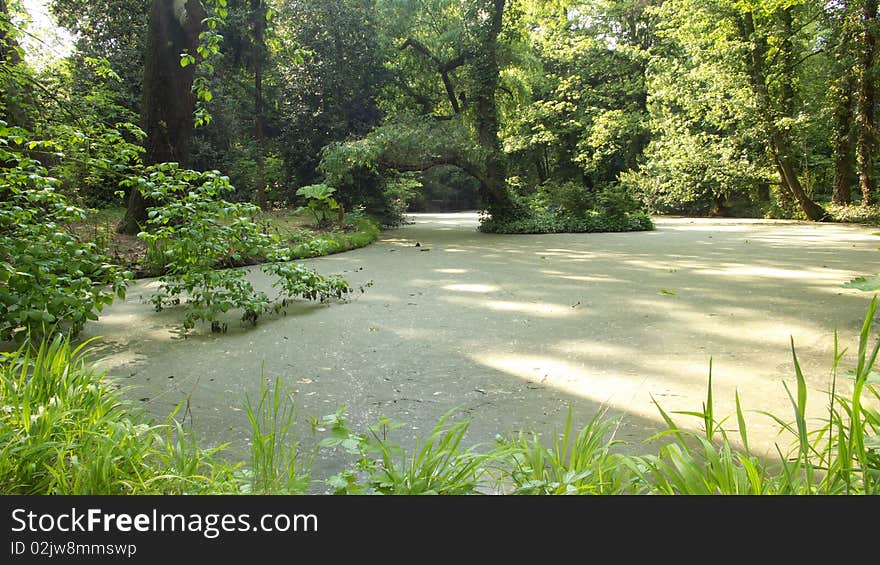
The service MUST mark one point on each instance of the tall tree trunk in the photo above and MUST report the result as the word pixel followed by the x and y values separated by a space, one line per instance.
pixel 867 98
pixel 169 101
pixel 844 156
pixel 258 10
pixel 493 190
pixel 779 142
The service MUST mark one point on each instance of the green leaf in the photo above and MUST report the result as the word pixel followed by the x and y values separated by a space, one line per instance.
pixel 667 292
pixel 868 284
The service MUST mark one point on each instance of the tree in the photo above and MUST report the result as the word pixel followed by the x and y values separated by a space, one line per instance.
pixel 843 99
pixel 259 15
pixel 773 110
pixel 169 102
pixel 328 62
pixel 450 68
pixel 15 91
pixel 583 113
pixel 115 30
pixel 867 140
pixel 493 186
pixel 763 45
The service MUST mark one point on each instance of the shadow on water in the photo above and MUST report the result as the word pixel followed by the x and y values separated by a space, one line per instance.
pixel 514 330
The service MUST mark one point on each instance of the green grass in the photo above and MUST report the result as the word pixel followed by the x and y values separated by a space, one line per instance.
pixel 277 465
pixel 437 465
pixel 582 462
pixel 64 430
pixel 306 243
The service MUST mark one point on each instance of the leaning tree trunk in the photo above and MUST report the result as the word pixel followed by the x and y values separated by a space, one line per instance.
pixel 778 141
pixel 781 151
pixel 169 101
pixel 867 99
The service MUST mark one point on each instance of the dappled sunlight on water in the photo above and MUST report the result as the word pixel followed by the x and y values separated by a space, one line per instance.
pixel 515 329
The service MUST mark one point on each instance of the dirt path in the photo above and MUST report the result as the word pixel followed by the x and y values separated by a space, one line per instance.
pixel 515 329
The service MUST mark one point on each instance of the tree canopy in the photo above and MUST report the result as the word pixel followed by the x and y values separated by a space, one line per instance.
pixel 754 107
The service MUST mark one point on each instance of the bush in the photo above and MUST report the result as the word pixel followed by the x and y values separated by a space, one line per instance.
pixel 320 201
pixel 307 244
pixel 568 207
pixel 616 201
pixel 592 222
pixel 869 215
pixel 196 231
pixel 49 278
pixel 567 198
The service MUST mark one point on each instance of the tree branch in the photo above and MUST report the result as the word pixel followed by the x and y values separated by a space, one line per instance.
pixel 443 68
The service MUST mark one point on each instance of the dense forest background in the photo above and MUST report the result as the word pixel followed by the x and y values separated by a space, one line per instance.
pixel 746 107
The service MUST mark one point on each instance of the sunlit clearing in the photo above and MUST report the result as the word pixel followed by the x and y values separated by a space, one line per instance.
pixel 541 309
pixel 770 273
pixel 485 288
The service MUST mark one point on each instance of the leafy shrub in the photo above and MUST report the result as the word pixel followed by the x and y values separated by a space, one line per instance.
pixel 310 244
pixel 48 276
pixel 615 201
pixel 195 231
pixel 568 198
pixel 592 222
pixel 869 215
pixel 320 201
pixel 363 170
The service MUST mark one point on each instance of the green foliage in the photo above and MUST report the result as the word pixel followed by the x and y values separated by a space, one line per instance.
pixel 569 198
pixel 111 30
pixel 869 215
pixel 64 430
pixel 306 244
pixel 98 137
pixel 568 207
pixel 581 463
pixel 366 172
pixel 277 464
pixel 195 231
pixel 48 276
pixel 207 53
pixel 320 201
pixel 591 223
pixel 868 284
pixel 704 463
pixel 329 63
pixel 436 466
